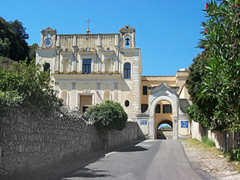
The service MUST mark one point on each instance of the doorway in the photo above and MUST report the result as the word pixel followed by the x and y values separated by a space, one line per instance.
pixel 85 102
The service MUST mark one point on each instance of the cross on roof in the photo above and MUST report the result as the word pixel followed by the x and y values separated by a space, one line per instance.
pixel 88 21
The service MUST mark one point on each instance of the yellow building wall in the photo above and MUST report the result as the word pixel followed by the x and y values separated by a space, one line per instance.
pixel 152 81
pixel 162 116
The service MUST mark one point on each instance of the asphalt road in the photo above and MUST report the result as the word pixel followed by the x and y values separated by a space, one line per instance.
pixel 147 160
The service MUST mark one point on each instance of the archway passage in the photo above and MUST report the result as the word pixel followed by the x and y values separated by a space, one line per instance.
pixel 165 97
pixel 165 130
pixel 163 119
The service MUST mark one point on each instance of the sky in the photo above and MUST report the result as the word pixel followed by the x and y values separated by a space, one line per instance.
pixel 167 31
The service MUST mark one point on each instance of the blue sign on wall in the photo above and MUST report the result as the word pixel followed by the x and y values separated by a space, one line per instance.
pixel 184 124
pixel 143 122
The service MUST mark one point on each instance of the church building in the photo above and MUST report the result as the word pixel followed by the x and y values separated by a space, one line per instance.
pixel 89 69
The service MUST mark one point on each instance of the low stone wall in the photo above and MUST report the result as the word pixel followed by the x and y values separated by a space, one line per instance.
pixel 115 138
pixel 29 140
pixel 224 140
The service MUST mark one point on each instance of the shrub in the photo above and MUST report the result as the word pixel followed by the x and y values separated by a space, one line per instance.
pixel 235 154
pixel 107 116
pixel 26 85
pixel 207 141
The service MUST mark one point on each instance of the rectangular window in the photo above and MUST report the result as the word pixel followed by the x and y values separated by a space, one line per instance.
pixel 167 108
pixel 158 108
pixel 86 66
pixel 145 90
pixel 144 107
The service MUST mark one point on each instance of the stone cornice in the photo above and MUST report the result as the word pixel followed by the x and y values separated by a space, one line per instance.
pixel 87 76
pixel 108 53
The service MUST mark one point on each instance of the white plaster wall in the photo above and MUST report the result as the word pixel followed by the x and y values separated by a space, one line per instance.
pixel 195 130
pixel 183 131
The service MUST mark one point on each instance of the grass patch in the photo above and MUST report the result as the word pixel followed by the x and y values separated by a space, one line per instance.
pixel 200 146
pixel 207 141
pixel 196 145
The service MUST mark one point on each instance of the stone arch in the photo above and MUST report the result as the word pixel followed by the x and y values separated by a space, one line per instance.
pixel 173 100
pixel 127 35
pixel 127 41
pixel 166 121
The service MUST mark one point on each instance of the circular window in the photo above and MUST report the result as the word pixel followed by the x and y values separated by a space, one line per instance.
pixel 127 103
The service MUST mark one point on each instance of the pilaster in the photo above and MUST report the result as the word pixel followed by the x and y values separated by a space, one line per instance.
pixel 116 92
pixel 57 60
pixel 92 66
pixel 73 96
pixel 74 59
pixel 103 67
pixel 80 65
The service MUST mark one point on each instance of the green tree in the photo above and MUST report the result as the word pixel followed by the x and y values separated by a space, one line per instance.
pixel 26 85
pixel 201 109
pixel 14 35
pixel 107 116
pixel 32 51
pixel 4 47
pixel 221 81
pixel 19 30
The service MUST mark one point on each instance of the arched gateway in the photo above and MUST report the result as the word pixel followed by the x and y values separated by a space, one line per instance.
pixel 163 92
pixel 166 93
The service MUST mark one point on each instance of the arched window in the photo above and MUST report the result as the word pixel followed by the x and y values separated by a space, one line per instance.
pixel 107 66
pixel 65 66
pixel 64 97
pixel 106 95
pixel 46 67
pixel 127 70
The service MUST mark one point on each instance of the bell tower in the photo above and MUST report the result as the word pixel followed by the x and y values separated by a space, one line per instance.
pixel 127 35
pixel 48 38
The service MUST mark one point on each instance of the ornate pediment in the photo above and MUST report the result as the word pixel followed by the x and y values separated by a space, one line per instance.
pixel 163 89
pixel 49 30
pixel 127 29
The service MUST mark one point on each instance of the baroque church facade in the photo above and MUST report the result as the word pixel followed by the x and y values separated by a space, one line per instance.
pixel 89 69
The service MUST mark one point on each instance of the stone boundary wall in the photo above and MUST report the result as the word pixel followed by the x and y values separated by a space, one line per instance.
pixel 29 140
pixel 224 140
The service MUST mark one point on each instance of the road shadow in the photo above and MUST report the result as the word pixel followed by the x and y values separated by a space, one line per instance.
pixel 80 169
pixel 165 134
pixel 88 173
pixel 132 147
pixel 160 134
